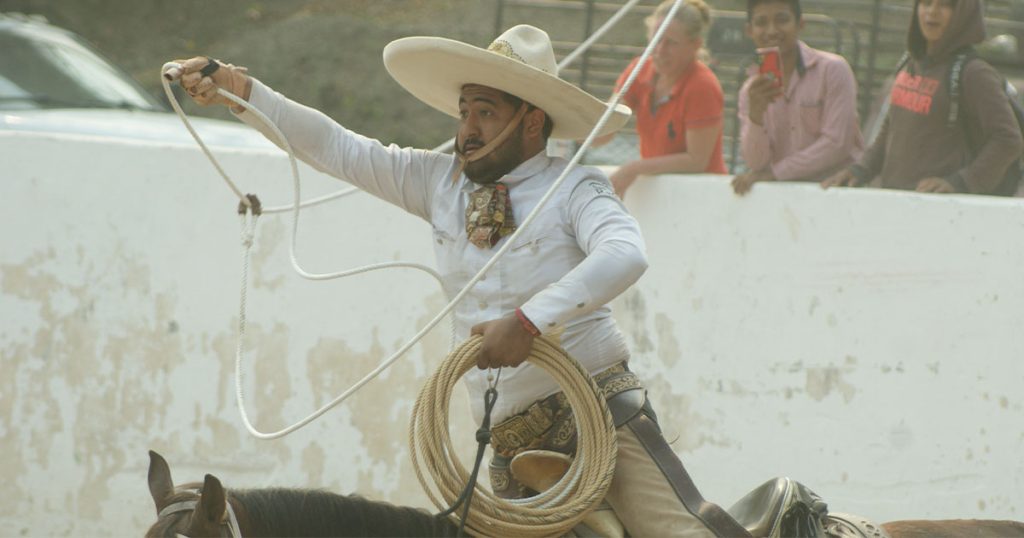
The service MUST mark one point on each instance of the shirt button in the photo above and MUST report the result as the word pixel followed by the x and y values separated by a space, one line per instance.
pixel 482 305
pixel 580 305
pixel 440 241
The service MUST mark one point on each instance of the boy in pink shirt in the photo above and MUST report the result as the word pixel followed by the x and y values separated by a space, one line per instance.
pixel 806 127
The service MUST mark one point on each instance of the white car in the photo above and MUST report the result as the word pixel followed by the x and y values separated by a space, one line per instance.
pixel 51 81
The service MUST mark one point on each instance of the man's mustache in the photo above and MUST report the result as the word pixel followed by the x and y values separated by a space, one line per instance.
pixel 475 142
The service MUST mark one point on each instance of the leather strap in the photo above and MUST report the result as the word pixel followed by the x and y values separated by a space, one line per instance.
pixel 490 146
pixel 713 516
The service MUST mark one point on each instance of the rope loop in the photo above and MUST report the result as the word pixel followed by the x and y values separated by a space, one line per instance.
pixel 551 513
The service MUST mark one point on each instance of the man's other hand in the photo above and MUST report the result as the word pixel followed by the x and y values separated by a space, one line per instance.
pixel 742 183
pixel 506 342
pixel 842 178
pixel 934 184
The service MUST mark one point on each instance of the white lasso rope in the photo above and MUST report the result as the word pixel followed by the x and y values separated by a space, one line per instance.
pixel 550 513
pixel 165 80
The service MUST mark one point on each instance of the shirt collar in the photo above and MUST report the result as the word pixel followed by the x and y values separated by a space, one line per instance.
pixel 647 76
pixel 805 57
pixel 526 169
pixel 683 77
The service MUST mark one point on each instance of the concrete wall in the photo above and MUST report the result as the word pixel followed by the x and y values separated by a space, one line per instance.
pixel 866 343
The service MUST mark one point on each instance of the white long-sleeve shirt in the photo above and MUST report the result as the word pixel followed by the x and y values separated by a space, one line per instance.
pixel 582 250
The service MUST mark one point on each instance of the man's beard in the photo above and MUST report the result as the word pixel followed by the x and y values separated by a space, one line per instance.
pixel 505 158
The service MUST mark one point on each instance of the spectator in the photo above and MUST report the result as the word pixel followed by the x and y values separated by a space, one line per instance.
pixel 677 101
pixel 918 148
pixel 805 127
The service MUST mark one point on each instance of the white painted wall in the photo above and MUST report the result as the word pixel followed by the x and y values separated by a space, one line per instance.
pixel 866 343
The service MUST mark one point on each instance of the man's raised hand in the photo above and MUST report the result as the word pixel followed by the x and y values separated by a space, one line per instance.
pixel 201 79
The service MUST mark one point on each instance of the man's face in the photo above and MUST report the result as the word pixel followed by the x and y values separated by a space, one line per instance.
pixel 773 24
pixel 934 16
pixel 675 51
pixel 484 113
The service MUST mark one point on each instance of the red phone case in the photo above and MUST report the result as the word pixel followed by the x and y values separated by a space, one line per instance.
pixel 771 63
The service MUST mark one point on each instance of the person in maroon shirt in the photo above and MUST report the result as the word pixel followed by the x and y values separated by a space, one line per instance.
pixel 919 148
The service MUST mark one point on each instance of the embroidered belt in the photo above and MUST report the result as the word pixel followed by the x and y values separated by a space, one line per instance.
pixel 548 424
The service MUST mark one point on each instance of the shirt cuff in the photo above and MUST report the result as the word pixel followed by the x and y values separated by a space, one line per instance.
pixel 554 306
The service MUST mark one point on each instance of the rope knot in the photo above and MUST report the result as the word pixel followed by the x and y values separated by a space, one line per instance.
pixel 250 203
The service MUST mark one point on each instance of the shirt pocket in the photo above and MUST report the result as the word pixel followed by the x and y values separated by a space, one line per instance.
pixel 531 243
pixel 443 239
pixel 446 253
pixel 523 261
pixel 810 116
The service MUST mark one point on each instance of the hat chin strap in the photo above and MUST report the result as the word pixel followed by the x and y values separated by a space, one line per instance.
pixel 492 145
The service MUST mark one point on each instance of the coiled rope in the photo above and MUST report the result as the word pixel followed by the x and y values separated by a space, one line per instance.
pixel 551 513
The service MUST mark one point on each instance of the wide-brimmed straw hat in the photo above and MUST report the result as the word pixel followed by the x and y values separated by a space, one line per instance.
pixel 520 62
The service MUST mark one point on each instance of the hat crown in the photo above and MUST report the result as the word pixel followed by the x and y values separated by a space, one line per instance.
pixel 527 44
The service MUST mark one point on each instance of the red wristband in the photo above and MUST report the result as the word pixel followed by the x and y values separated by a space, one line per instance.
pixel 527 324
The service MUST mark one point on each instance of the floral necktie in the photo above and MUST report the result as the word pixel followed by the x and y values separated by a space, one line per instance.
pixel 489 215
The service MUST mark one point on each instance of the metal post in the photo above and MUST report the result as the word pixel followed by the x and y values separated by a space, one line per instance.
pixel 587 29
pixel 869 83
pixel 498 22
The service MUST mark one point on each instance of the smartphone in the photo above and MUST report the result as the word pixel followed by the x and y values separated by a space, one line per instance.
pixel 770 60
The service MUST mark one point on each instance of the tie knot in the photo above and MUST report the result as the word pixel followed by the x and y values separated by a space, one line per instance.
pixel 489 215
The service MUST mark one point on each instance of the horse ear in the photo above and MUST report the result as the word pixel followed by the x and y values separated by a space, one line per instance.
pixel 160 484
pixel 212 504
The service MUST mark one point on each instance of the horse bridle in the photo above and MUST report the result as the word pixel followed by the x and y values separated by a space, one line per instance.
pixel 231 525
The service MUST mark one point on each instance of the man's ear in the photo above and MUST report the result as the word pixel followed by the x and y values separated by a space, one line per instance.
pixel 534 122
pixel 800 25
pixel 748 30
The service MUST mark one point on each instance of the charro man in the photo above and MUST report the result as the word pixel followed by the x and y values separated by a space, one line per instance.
pixel 582 251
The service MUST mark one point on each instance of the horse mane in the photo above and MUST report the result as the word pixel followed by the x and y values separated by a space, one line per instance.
pixel 311 512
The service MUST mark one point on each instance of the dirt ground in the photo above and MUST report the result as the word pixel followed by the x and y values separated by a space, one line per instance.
pixel 324 53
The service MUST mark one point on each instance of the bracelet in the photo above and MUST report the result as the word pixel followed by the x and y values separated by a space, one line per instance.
pixel 527 324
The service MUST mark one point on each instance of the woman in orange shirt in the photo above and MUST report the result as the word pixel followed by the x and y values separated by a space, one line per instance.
pixel 677 101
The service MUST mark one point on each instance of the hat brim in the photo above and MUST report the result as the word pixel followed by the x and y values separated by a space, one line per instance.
pixel 434 70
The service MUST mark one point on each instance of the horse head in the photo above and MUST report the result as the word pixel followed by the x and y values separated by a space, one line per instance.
pixel 192 509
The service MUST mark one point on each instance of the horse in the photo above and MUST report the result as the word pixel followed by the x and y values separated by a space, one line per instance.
pixel 210 510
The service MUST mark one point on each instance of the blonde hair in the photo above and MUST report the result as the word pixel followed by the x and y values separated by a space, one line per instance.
pixel 693 15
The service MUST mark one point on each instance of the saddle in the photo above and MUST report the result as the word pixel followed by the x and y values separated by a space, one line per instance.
pixel 779 507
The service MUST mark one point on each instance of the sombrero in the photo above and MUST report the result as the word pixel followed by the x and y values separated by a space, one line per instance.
pixel 520 61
